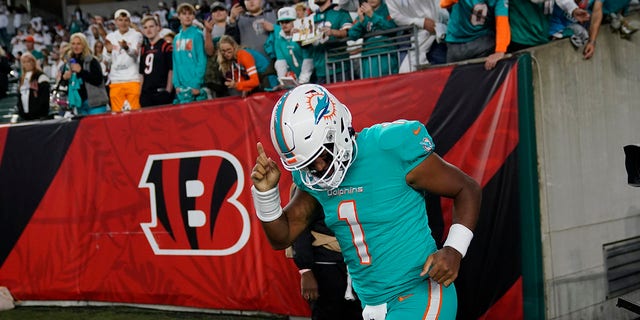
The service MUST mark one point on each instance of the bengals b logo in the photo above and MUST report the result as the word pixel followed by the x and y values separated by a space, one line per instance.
pixel 194 205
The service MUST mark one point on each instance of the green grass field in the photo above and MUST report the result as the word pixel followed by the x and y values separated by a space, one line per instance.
pixel 116 313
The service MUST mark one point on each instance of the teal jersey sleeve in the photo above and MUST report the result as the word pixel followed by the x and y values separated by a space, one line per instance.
pixel 407 140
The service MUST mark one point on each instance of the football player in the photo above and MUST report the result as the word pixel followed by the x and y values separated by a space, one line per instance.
pixel 369 185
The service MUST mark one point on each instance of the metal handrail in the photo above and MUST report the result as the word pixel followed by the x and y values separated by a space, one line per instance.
pixel 340 54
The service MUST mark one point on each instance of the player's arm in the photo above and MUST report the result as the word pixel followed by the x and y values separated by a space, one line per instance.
pixel 282 226
pixel 437 176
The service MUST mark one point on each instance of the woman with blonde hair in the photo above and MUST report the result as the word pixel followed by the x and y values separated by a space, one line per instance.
pixel 238 67
pixel 87 94
pixel 33 101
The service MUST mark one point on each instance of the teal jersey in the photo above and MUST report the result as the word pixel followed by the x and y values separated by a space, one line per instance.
pixel 529 25
pixel 335 19
pixel 381 222
pixel 381 65
pixel 472 19
pixel 189 58
pixel 284 48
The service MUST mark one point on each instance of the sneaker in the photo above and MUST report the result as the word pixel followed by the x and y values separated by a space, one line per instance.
pixel 615 22
pixel 627 29
pixel 580 35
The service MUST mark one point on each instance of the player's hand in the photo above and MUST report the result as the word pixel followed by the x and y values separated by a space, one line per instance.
pixel 265 174
pixel 309 286
pixel 443 265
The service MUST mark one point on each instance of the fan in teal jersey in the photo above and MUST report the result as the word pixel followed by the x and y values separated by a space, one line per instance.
pixel 370 187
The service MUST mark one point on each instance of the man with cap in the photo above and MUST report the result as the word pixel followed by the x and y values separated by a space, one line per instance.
pixel 29 43
pixel 218 20
pixel 291 58
pixel 122 51
pixel 214 28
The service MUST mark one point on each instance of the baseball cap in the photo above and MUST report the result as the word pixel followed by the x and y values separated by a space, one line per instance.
pixel 29 39
pixel 286 14
pixel 218 4
pixel 122 12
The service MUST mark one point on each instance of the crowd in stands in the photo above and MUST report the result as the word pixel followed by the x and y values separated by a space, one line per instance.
pixel 187 52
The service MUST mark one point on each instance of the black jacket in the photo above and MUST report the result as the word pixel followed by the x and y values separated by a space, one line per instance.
pixel 38 99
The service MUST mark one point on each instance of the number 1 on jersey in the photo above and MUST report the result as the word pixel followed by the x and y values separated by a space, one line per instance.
pixel 347 212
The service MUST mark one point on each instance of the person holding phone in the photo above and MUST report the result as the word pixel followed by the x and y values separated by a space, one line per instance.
pixel 238 67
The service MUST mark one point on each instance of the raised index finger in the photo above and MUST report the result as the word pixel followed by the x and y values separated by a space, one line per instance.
pixel 261 150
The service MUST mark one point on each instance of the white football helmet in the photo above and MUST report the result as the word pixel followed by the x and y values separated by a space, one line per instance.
pixel 307 121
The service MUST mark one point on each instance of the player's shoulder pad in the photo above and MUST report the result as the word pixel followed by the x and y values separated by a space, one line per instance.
pixel 393 135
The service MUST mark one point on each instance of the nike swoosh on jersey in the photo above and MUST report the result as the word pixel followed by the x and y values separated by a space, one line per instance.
pixel 404 297
pixel 416 131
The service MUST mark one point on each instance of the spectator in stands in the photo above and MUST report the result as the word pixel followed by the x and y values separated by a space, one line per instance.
pixel 189 59
pixel 84 74
pixel 431 21
pixel 162 13
pixel 123 52
pixel 238 67
pixel 324 280
pixel 218 17
pixel 29 44
pixel 98 53
pixel 251 29
pixel 5 69
pixel 476 29
pixel 17 43
pixel 96 31
pixel 530 25
pixel 331 23
pixel 291 59
pixel 76 24
pixel 214 28
pixel 4 23
pixel 168 35
pixel 562 26
pixel 56 62
pixel 373 16
pixel 33 101
pixel 156 66
pixel 174 22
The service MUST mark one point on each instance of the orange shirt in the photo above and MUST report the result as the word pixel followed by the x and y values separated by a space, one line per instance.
pixel 245 60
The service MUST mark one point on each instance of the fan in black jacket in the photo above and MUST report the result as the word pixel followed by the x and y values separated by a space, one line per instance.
pixel 33 98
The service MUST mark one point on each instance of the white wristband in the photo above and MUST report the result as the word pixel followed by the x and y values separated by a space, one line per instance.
pixel 267 204
pixel 459 238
